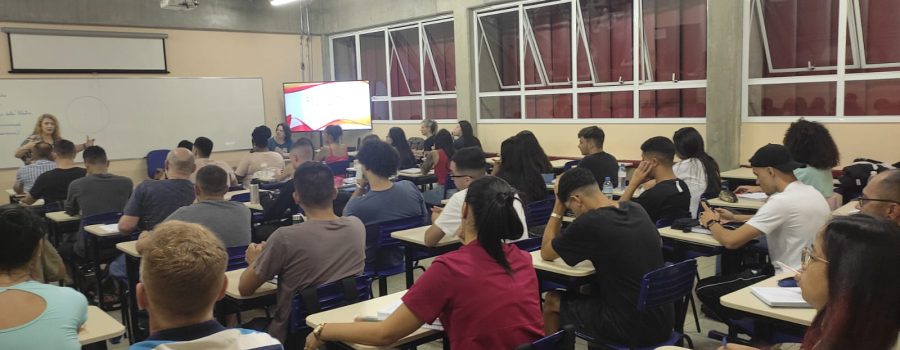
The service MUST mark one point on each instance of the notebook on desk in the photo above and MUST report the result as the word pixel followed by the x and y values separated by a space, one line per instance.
pixel 411 171
pixel 780 297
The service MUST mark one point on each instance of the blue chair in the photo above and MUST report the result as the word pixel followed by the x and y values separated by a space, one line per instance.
pixel 242 197
pixel 672 284
pixel 529 244
pixel 156 160
pixel 537 213
pixel 236 258
pixel 339 168
pixel 570 164
pixel 384 254
pixel 50 207
pixel 561 340
pixel 448 186
pixel 315 299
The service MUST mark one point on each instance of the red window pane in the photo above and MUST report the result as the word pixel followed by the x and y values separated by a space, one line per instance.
pixel 501 107
pixel 548 107
pixel 344 58
pixel 685 103
pixel 675 36
pixel 404 46
pixel 498 51
pixel 380 111
pixel 606 105
pixel 406 110
pixel 372 62
pixel 548 49
pixel 874 97
pixel 440 73
pixel 608 33
pixel 803 99
pixel 440 109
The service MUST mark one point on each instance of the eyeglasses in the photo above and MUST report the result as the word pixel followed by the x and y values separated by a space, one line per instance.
pixel 863 200
pixel 454 177
pixel 807 256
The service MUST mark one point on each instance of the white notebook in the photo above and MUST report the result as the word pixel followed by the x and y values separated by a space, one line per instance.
pixel 111 228
pixel 780 296
pixel 754 196
pixel 411 171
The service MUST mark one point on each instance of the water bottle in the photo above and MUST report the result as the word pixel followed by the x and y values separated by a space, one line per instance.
pixel 254 193
pixel 608 188
pixel 357 167
pixel 622 175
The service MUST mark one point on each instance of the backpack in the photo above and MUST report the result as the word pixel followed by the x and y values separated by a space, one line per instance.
pixel 855 176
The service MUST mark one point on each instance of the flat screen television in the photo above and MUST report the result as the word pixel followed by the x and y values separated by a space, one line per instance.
pixel 314 106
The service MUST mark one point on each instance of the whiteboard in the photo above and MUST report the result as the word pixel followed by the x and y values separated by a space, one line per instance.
pixel 128 117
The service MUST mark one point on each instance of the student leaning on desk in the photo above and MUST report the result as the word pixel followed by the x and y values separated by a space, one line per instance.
pixel 850 276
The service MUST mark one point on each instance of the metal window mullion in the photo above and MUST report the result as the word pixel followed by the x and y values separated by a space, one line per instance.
pixel 745 65
pixel 399 62
pixel 387 69
pixel 475 39
pixel 421 29
pixel 635 32
pixel 761 20
pixel 856 44
pixel 842 58
pixel 582 33
pixel 522 108
pixel 487 44
pixel 358 57
pixel 573 76
pixel 427 45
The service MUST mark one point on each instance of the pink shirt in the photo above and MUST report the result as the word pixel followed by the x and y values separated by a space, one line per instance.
pixel 478 303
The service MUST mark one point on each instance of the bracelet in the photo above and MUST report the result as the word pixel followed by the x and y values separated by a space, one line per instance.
pixel 555 215
pixel 710 222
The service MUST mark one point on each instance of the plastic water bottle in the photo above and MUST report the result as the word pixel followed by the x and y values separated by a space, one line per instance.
pixel 622 175
pixel 254 193
pixel 608 188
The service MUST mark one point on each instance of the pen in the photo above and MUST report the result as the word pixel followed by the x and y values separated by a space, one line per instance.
pixel 788 267
pixel 724 342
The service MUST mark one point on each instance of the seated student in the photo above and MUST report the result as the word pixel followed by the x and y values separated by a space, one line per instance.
pixel 428 128
pixel 465 136
pixel 53 185
pixel 789 219
pixel 881 197
pixel 185 144
pixel 397 138
pixel 533 148
pixel 697 168
pixel 260 157
pixel 33 315
pixel 466 166
pixel 519 170
pixel 669 198
pixel 182 277
pixel 483 293
pixel 377 199
pixel 607 233
pixel 42 162
pixel 97 193
pixel 850 276
pixel 600 163
pixel 154 200
pixel 281 142
pixel 324 248
pixel 439 161
pixel 302 151
pixel 202 149
pixel 228 221
pixel 333 151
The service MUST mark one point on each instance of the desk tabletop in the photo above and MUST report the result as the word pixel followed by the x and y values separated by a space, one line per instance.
pixel 367 308
pixel 745 301
pixel 846 209
pixel 739 173
pixel 12 193
pixel 61 216
pixel 234 278
pixel 689 237
pixel 414 175
pixel 129 248
pixel 417 236
pixel 560 163
pixel 228 195
pixel 741 203
pixel 253 206
pixel 584 268
pixel 99 230
pixel 670 347
pixel 99 327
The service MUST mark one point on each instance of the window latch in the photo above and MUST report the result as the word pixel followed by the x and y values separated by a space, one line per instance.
pixel 674 79
pixel 810 66
pixel 621 82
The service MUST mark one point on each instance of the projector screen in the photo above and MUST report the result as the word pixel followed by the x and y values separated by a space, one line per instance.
pixel 314 106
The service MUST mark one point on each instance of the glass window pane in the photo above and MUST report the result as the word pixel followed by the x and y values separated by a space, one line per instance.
pixel 607 28
pixel 498 51
pixel 548 50
pixel 440 109
pixel 501 107
pixel 684 103
pixel 406 110
pixel 548 106
pixel 344 58
pixel 881 34
pixel 874 97
pixel 442 69
pixel 372 60
pixel 404 46
pixel 802 99
pixel 674 38
pixel 606 105
pixel 380 111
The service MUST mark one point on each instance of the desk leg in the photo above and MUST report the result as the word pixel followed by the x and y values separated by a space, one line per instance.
pixel 95 247
pixel 131 269
pixel 408 261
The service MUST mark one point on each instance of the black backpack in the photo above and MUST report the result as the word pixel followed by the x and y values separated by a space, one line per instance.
pixel 855 176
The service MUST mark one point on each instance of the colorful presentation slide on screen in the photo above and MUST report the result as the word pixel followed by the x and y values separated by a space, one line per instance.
pixel 313 106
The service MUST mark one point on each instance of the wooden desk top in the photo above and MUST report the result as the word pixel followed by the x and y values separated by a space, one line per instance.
pixel 584 268
pixel 99 327
pixel 234 277
pixel 99 231
pixel 12 193
pixel 743 300
pixel 689 237
pixel 417 236
pixel 739 173
pixel 129 248
pixel 560 163
pixel 367 308
pixel 253 206
pixel 741 204
pixel 416 175
pixel 847 209
pixel 228 195
pixel 61 217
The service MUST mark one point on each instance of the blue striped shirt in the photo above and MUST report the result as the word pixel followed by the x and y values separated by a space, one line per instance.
pixel 208 335
pixel 30 172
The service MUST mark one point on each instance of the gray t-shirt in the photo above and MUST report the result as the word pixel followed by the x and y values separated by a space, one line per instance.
pixel 310 254
pixel 403 200
pixel 229 221
pixel 98 194
pixel 154 200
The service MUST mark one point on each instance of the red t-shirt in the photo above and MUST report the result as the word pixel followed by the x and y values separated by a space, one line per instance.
pixel 479 304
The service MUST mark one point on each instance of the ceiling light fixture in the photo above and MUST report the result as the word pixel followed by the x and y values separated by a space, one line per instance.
pixel 281 2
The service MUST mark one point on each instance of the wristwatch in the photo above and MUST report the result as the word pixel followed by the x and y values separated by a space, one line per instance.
pixel 555 215
pixel 710 222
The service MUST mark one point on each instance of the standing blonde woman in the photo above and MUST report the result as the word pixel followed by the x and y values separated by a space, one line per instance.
pixel 47 130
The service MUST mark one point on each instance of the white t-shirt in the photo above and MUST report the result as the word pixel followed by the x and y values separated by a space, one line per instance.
pixel 257 161
pixel 790 220
pixel 451 217
pixel 691 171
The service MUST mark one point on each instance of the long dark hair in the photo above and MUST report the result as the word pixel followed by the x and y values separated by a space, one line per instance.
pixel 863 310
pixel 443 140
pixel 689 144
pixel 286 130
pixel 520 171
pixel 810 143
pixel 467 135
pixel 491 200
pixel 533 147
pixel 22 232
pixel 398 140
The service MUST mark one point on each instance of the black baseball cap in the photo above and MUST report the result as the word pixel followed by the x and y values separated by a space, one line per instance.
pixel 775 156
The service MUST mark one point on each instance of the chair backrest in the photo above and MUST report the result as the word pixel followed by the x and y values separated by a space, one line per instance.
pixel 50 207
pixel 570 164
pixel 667 285
pixel 104 218
pixel 564 339
pixel 378 238
pixel 664 222
pixel 449 185
pixel 416 143
pixel 236 258
pixel 538 213
pixel 339 168
pixel 240 197
pixel 156 159
pixel 314 299
pixel 529 244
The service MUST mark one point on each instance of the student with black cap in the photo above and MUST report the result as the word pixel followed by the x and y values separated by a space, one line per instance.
pixel 790 219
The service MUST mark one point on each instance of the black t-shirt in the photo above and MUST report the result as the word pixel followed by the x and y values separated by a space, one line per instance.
pixel 624 245
pixel 53 185
pixel 459 143
pixel 602 165
pixel 428 144
pixel 670 199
